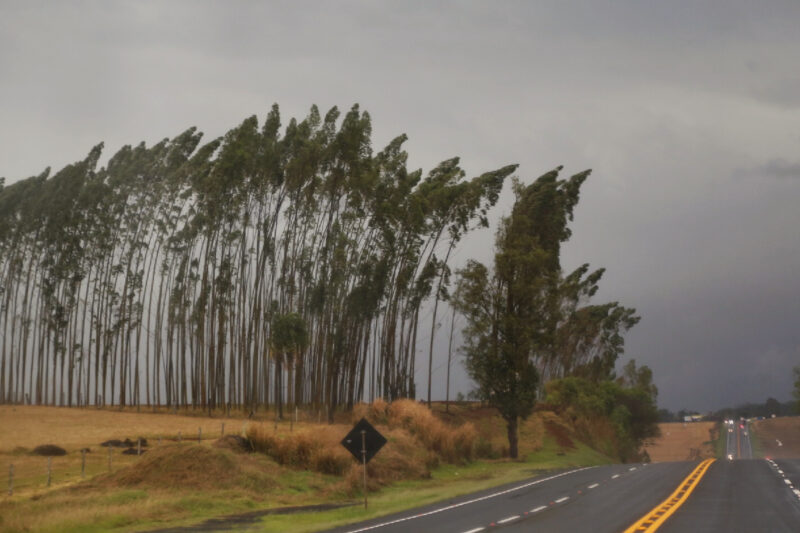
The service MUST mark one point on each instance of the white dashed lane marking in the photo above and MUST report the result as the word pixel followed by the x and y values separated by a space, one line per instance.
pixel 507 520
pixel 593 486
pixel 540 508
pixel 786 480
pixel 562 500
pixel 475 530
pixel 615 476
pixel 468 502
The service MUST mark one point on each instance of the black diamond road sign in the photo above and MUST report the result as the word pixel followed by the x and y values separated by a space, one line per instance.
pixel 373 439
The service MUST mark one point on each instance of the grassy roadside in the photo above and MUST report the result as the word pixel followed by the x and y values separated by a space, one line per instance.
pixel 755 442
pixel 719 442
pixel 448 481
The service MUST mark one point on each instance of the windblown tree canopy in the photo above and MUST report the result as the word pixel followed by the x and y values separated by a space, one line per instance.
pixel 526 320
pixel 158 279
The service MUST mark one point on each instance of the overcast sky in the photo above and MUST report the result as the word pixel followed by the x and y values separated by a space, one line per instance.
pixel 687 112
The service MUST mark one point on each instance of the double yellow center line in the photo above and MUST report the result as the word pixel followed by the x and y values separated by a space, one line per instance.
pixel 653 520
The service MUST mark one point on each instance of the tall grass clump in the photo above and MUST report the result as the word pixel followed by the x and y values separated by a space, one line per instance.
pixel 376 412
pixel 453 445
pixel 318 451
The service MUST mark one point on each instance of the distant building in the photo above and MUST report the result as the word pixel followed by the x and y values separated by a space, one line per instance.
pixel 693 418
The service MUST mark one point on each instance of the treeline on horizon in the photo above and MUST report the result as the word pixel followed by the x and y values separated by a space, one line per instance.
pixel 746 410
pixel 263 267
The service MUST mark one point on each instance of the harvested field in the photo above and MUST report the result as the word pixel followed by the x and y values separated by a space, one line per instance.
pixel 683 442
pixel 31 426
pixel 778 438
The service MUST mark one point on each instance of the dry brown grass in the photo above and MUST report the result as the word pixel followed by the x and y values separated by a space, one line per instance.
pixel 316 450
pixel 452 444
pixel 30 426
pixel 779 438
pixel 193 467
pixel 492 434
pixel 26 427
pixel 681 441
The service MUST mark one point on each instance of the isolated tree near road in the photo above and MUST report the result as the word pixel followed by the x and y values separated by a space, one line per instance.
pixel 511 311
pixel 516 313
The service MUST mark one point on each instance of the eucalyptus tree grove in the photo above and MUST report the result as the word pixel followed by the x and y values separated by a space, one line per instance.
pixel 158 279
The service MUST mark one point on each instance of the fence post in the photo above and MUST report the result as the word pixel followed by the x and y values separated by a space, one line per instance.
pixel 109 458
pixel 49 469
pixel 199 435
pixel 83 463
pixel 139 447
pixel 180 438
pixel 10 479
pixel 159 441
pixel 223 429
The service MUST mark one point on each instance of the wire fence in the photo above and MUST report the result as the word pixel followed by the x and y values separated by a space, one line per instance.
pixel 28 472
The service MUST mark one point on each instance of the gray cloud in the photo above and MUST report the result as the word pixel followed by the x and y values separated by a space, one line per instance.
pixel 780 168
pixel 665 101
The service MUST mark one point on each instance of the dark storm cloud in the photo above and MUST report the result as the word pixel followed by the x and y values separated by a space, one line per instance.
pixel 666 101
pixel 780 168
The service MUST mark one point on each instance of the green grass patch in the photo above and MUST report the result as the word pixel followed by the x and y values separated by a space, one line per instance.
pixel 755 442
pixel 719 443
pixel 123 497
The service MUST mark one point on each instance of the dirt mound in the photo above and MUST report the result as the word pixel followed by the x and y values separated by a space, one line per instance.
pixel 193 466
pixel 49 450
pixel 560 434
pixel 234 443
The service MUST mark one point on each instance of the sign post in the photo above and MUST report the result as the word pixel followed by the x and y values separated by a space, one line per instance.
pixel 364 457
pixel 371 442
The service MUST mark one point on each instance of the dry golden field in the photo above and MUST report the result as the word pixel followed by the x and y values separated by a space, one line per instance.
pixel 683 442
pixel 779 438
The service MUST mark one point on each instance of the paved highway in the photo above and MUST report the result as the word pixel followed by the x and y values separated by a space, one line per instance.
pixel 598 499
pixel 738 441
pixel 740 494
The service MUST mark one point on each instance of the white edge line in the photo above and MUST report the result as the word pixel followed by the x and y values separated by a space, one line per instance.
pixel 593 486
pixel 560 500
pixel 461 504
pixel 540 508
pixel 475 530
pixel 507 520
